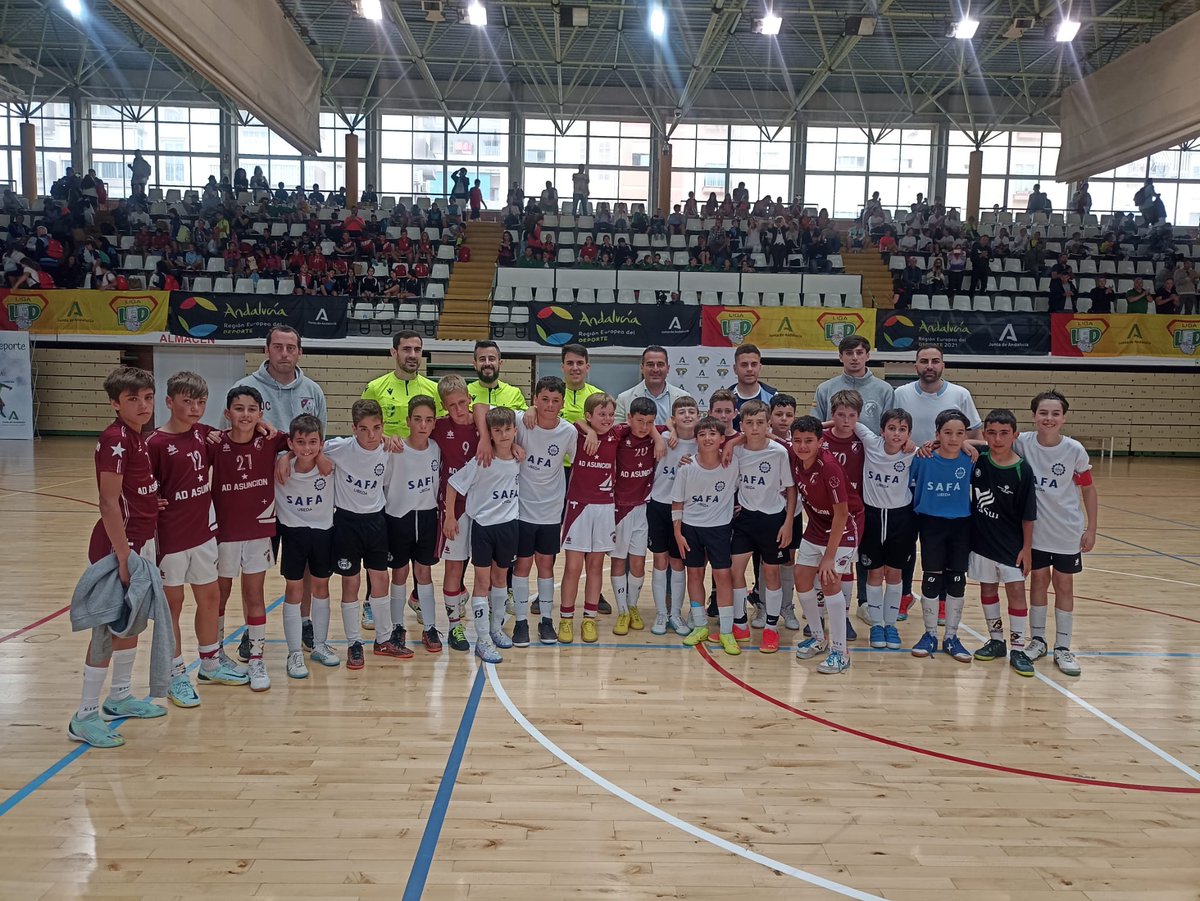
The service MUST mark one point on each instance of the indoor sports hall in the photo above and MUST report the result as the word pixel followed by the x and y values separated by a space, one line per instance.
pixel 349 200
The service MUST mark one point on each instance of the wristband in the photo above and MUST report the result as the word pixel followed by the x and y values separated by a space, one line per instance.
pixel 676 516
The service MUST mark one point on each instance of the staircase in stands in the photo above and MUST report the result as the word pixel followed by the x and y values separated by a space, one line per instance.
pixel 876 279
pixel 467 302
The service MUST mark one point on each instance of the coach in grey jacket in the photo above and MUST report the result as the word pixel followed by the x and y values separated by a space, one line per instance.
pixel 878 396
pixel 287 391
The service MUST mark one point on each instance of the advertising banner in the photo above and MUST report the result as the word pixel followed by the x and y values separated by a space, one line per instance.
pixel 701 370
pixel 795 328
pixel 67 311
pixel 615 325
pixel 960 332
pixel 16 386
pixel 235 317
pixel 1125 335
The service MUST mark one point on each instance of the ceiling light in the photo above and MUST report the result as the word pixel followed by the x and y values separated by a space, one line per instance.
pixel 477 14
pixel 74 7
pixel 770 24
pixel 658 21
pixel 1067 29
pixel 371 9
pixel 965 28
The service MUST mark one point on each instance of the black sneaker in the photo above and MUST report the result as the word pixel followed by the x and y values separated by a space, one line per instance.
pixel 996 649
pixel 712 604
pixel 851 635
pixel 520 634
pixel 1018 661
pixel 752 598
pixel 546 633
pixel 398 636
pixel 306 636
pixel 457 638
pixel 354 656
pixel 605 606
pixel 535 607
pixel 808 631
pixel 244 647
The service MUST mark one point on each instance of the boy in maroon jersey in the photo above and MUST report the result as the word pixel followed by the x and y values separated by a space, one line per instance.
pixel 244 497
pixel 187 532
pixel 843 445
pixel 457 437
pixel 128 518
pixel 829 543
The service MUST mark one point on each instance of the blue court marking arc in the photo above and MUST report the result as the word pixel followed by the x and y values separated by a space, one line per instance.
pixel 75 753
pixel 415 886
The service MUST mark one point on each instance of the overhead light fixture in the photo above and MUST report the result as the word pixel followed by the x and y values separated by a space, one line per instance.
pixel 74 7
pixel 477 14
pixel 1067 29
pixel 769 24
pixel 965 28
pixel 371 9
pixel 658 21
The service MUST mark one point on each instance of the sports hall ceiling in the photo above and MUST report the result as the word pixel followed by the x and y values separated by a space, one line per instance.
pixel 709 64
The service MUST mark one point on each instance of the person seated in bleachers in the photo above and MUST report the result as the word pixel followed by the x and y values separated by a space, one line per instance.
pixel 588 253
pixel 434 217
pixel 925 241
pixel 954 220
pixel 506 256
pixel 876 224
pixel 516 195
pixel 531 259
pixel 1185 285
pixel 101 278
pixel 691 208
pixel 1038 202
pixel 369 196
pixel 623 255
pixel 548 200
pixel 606 252
pixel 936 281
pixel 887 243
pixel 908 243
pixel 621 217
pixel 675 221
pixel 1002 246
pixel 315 196
pixel 232 255
pixel 726 209
pixel 549 250
pixel 718 246
pixel 337 199
pixel 700 251
pixel 746 264
pixel 1076 248
pixel 453 211
pixel 640 222
pixel 604 221
pixel 424 246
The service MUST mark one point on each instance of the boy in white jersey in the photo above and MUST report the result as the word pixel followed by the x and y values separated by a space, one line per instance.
pixel 702 510
pixel 493 505
pixel 360 536
pixel 766 494
pixel 889 537
pixel 1063 479
pixel 304 508
pixel 546 440
pixel 410 487
pixel 660 533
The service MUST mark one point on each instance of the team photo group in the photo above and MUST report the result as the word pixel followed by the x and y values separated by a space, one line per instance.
pixel 738 506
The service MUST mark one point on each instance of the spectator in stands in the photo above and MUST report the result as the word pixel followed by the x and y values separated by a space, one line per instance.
pixel 887 243
pixel 691 209
pixel 476 200
pixel 102 278
pixel 259 184
pixel 1150 203
pixel 604 221
pixel 1038 201
pixel 549 250
pixel 1081 200
pixel 139 173
pixel 1137 298
pixel 711 205
pixel 778 245
pixel 908 243
pixel 507 253
pixel 981 261
pixel 315 196
pixel 530 259
pixel 579 191
pixel 641 222
pixel 282 195
pixel 1167 299
pixel 337 198
pixel 241 181
pixel 741 199
pixel 1062 289
pixel 1075 248
pixel 369 195
pixel 162 279
pixel 1185 284
pixel 548 202
pixel 936 280
pixel 956 268
pixel 911 277
pixel 516 195
pixel 461 187
pixel 623 255
pixel 588 252
pixel 675 221
pixel 606 253
pixel 700 252
pixel 1104 298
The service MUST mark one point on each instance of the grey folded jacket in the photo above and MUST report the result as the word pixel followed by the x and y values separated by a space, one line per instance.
pixel 101 603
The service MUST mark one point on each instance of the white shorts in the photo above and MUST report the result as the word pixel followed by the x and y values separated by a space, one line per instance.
pixel 195 566
pixel 247 557
pixel 460 547
pixel 809 554
pixel 989 572
pixel 632 534
pixel 593 529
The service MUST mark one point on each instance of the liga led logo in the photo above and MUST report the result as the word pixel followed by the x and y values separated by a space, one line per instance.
pixel 555 326
pixel 736 326
pixel 132 311
pixel 837 326
pixel 26 309
pixel 1085 334
pixel 1185 335
pixel 200 329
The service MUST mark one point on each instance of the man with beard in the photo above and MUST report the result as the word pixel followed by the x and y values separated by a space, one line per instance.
pixel 393 390
pixel 488 389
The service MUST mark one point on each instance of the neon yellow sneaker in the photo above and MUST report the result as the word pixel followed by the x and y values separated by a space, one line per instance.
pixel 590 632
pixel 729 644
pixel 622 625
pixel 566 631
pixel 635 620
pixel 696 636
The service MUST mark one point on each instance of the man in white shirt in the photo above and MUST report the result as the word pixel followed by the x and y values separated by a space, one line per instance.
pixel 653 385
pixel 579 192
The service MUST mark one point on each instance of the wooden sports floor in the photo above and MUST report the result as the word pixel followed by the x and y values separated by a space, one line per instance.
pixel 631 769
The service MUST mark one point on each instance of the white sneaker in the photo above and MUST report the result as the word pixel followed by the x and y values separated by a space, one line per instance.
pixel 259 680
pixel 789 619
pixel 660 624
pixel 1036 648
pixel 864 613
pixel 227 661
pixel 295 665
pixel 760 617
pixel 679 626
pixel 1065 660
pixel 324 655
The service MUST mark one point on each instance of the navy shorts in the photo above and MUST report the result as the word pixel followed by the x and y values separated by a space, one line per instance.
pixel 709 545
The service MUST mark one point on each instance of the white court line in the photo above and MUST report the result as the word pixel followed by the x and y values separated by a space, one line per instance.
pixel 660 814
pixel 1117 572
pixel 1100 714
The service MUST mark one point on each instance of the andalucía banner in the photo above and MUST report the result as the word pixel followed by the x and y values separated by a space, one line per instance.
pixel 1125 335
pixel 794 328
pixel 69 311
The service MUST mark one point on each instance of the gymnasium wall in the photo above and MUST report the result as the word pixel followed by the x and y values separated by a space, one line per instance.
pixel 1151 411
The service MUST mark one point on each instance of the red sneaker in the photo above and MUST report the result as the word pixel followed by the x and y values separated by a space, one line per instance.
pixel 431 640
pixel 941 613
pixel 770 641
pixel 741 633
pixel 390 648
pixel 905 603
pixel 714 637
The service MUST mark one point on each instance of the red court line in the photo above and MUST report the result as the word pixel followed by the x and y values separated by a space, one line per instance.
pixel 43 620
pixel 928 752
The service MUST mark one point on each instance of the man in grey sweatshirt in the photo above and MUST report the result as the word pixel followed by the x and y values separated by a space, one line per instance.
pixel 877 395
pixel 287 391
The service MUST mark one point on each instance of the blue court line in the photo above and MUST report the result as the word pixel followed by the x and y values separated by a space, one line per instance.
pixel 1142 547
pixel 1178 522
pixel 75 753
pixel 415 886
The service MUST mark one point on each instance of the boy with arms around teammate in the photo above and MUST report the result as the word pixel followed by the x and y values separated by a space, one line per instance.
pixel 128 518
pixel 1003 511
pixel 1065 492
pixel 660 533
pixel 783 414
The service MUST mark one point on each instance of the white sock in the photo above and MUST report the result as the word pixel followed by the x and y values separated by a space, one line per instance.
pixel 178 667
pixel 620 590
pixel 399 597
pixel 992 618
pixel 725 618
pixel 739 604
pixel 929 614
pixel 479 614
pixel 954 611
pixel 1019 623
pixel 1037 621
pixel 774 599
pixel 320 620
pixel 1062 627
pixel 521 597
pixel 678 592
pixel 891 603
pixel 258 638
pixel 293 627
pixel 634 594
pixel 546 599
pixel 428 604
pixel 93 684
pixel 351 621
pixel 812 613
pixel 875 603
pixel 835 606
pixel 699 614
pixel 658 590
pixel 499 598
pixel 382 608
pixel 122 674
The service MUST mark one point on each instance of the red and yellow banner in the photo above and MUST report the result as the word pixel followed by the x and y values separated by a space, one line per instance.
pixel 1124 335
pixel 794 328
pixel 70 311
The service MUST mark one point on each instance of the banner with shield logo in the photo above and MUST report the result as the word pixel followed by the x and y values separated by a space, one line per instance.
pixel 792 328
pixel 68 311
pixel 1125 335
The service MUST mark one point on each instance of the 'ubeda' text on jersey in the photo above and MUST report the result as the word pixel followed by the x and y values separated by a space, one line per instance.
pixel 305 500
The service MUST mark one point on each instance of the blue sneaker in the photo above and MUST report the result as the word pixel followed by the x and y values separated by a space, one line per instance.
pixel 224 674
pixel 368 618
pixel 836 662
pixel 131 708
pixel 891 638
pixel 877 639
pixel 851 635
pixel 926 647
pixel 91 730
pixel 955 649
pixel 181 693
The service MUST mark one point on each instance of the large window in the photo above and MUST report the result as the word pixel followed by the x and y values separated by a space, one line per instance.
pixel 181 143
pixel 714 159
pixel 418 153
pixel 1176 174
pixel 258 145
pixel 842 168
pixel 52 139
pixel 1013 162
pixel 617 155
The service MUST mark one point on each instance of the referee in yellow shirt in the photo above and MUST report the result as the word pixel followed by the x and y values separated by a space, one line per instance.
pixel 488 389
pixel 575 369
pixel 395 389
